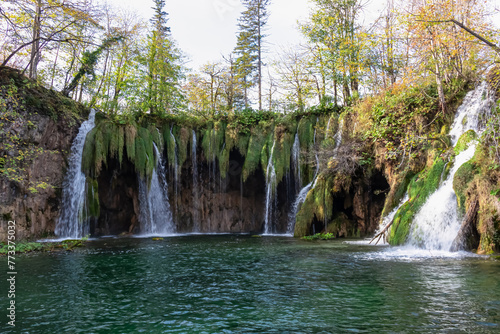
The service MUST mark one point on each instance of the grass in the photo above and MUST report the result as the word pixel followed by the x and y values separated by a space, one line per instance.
pixel 28 247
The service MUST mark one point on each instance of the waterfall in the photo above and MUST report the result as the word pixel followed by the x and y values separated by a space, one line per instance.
pixel 196 196
pixel 389 218
pixel 296 161
pixel 328 127
pixel 437 222
pixel 155 215
pixel 301 197
pixel 70 224
pixel 270 192
pixel 338 135
pixel 176 168
pixel 471 114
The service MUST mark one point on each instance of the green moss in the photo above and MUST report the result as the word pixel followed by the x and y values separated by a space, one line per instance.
pixel 464 175
pixel 170 144
pixel 319 236
pixel 184 139
pixel 93 208
pixel 100 151
pixel 144 153
pixel 318 205
pixel 156 135
pixel 305 130
pixel 242 143
pixel 130 135
pixel 282 153
pixel 88 156
pixel 339 222
pixel 256 143
pixel 419 189
pixel 464 141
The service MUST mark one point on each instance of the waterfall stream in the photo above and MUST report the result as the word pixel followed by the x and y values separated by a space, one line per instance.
pixel 196 195
pixel 270 192
pixel 71 223
pixel 296 161
pixel 155 215
pixel 437 223
pixel 301 197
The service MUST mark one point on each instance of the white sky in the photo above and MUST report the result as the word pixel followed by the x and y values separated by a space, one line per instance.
pixel 206 29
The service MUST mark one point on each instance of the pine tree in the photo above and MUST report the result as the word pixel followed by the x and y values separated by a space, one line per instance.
pixel 249 45
pixel 164 71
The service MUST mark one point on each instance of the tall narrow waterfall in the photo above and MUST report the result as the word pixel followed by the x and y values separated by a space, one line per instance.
pixel 270 192
pixel 296 161
pixel 338 135
pixel 301 197
pixel 71 223
pixel 176 168
pixel 437 223
pixel 155 215
pixel 196 195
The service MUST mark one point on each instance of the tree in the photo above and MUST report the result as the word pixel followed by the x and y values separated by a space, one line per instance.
pixel 40 25
pixel 333 27
pixel 249 47
pixel 163 68
pixel 441 47
pixel 89 60
pixel 293 69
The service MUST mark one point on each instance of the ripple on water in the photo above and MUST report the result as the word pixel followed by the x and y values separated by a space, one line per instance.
pixel 235 284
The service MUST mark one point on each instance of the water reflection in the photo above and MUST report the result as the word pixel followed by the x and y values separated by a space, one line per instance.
pixel 240 284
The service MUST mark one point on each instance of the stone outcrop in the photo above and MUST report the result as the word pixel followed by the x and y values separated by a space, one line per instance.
pixel 38 127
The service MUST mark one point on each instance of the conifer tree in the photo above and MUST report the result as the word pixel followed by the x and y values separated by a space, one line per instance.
pixel 162 63
pixel 249 47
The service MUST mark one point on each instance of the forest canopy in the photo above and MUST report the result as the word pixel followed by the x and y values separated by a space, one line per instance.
pixel 120 63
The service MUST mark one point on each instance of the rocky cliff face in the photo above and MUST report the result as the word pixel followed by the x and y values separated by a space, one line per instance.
pixel 36 131
pixel 222 205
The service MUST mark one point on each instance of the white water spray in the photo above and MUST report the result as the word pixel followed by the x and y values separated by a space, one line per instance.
pixel 155 215
pixel 301 197
pixel 270 192
pixel 473 112
pixel 437 223
pixel 70 224
pixel 196 196
pixel 296 161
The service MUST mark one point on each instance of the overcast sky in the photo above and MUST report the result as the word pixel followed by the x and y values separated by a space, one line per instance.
pixel 206 29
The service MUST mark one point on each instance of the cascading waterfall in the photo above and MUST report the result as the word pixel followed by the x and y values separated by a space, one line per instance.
pixel 270 192
pixel 473 112
pixel 338 135
pixel 327 131
pixel 155 215
pixel 196 216
pixel 390 217
pixel 301 197
pixel 176 168
pixel 71 224
pixel 437 223
pixel 296 161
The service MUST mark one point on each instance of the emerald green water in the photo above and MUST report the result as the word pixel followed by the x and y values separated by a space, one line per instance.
pixel 239 284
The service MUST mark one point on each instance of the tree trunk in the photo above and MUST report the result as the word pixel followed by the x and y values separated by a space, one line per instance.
pixel 35 47
pixel 54 67
pixel 439 82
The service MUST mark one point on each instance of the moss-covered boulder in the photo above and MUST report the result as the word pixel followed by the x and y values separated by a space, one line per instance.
pixel 464 141
pixel 463 177
pixel 420 188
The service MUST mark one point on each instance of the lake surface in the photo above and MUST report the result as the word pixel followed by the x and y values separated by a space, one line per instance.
pixel 240 284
